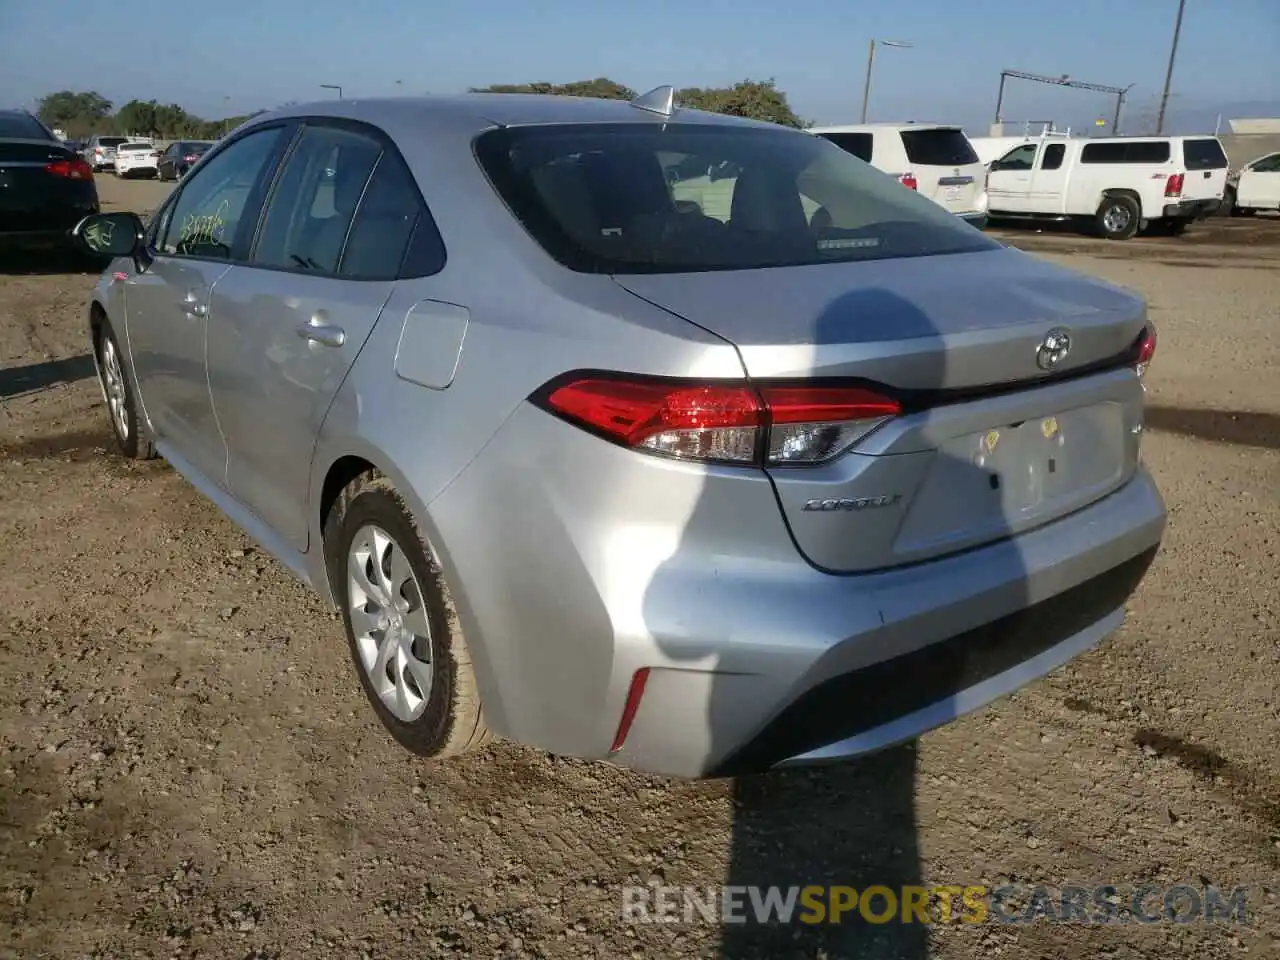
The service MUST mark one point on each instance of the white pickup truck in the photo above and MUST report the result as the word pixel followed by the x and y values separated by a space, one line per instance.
pixel 1119 184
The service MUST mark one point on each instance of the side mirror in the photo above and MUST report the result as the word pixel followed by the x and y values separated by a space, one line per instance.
pixel 110 234
pixel 993 166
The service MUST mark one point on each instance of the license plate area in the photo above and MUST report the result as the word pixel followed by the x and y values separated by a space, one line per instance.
pixel 1015 476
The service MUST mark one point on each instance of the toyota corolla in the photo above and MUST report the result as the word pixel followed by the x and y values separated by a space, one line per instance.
pixel 602 454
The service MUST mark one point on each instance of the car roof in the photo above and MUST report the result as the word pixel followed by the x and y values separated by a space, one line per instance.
pixel 480 110
pixel 872 127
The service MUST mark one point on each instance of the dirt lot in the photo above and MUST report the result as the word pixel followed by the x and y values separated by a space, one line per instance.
pixel 188 767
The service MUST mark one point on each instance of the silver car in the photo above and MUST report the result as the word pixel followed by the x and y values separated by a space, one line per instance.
pixel 602 454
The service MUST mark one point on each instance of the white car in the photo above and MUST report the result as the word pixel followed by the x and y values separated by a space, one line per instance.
pixel 1256 187
pixel 135 157
pixel 1119 184
pixel 936 160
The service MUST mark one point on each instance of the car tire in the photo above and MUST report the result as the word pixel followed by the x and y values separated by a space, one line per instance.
pixel 1119 217
pixel 122 403
pixel 369 529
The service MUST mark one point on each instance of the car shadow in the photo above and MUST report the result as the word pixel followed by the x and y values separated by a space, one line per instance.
pixel 48 373
pixel 49 262
pixel 854 823
pixel 1243 428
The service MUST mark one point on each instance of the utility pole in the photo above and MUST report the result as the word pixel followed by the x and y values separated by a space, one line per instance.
pixel 871 62
pixel 1168 77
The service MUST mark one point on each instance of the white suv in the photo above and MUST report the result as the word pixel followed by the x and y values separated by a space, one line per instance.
pixel 935 159
pixel 136 157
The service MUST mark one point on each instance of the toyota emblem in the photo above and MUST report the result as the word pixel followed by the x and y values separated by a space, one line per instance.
pixel 1053 348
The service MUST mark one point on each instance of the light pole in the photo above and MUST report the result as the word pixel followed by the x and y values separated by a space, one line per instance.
pixel 332 86
pixel 871 62
pixel 226 118
pixel 1168 76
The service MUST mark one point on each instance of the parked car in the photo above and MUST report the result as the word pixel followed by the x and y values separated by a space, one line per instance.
pixel 181 156
pixel 45 188
pixel 690 494
pixel 1255 187
pixel 100 152
pixel 935 159
pixel 136 158
pixel 1117 184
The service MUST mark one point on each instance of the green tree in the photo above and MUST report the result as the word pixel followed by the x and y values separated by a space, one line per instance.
pixel 78 112
pixel 755 99
pixel 601 88
pixel 137 116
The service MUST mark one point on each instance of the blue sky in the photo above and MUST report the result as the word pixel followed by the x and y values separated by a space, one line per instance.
pixel 233 56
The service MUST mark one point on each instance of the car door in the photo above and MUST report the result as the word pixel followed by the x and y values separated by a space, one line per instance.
pixel 289 325
pixel 1048 190
pixel 167 167
pixel 1259 185
pixel 202 230
pixel 1009 180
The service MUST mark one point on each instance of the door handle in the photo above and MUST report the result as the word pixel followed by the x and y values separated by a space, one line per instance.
pixel 192 306
pixel 317 331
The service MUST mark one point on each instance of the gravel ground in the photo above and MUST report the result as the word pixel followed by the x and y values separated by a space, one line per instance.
pixel 188 768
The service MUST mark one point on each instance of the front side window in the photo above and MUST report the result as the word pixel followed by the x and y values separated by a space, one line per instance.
pixel 310 213
pixel 207 215
pixel 603 198
pixel 1269 164
pixel 1019 158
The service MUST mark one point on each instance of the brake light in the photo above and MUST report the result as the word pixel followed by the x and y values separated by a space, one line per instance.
pixel 909 181
pixel 1173 186
pixel 1144 348
pixel 74 169
pixel 722 422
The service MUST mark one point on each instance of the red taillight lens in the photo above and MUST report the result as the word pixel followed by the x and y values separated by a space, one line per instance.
pixel 1144 349
pixel 635 693
pixel 75 169
pixel 723 422
pixel 1173 186
pixel 909 181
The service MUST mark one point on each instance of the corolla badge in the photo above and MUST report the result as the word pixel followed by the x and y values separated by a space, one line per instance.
pixel 1053 348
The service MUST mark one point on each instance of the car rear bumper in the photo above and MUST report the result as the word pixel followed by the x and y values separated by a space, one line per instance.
pixel 1192 209
pixel 587 571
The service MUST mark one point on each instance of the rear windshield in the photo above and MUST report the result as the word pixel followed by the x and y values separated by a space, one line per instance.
pixel 858 144
pixel 642 198
pixel 110 141
pixel 21 127
pixel 938 148
pixel 1204 154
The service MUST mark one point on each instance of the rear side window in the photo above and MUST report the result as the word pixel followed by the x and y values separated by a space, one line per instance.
pixel 938 148
pixel 1204 154
pixel 858 144
pixel 19 126
pixel 392 228
pixel 1053 155
pixel 1139 151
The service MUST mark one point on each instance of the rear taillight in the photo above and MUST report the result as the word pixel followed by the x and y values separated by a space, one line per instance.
pixel 724 422
pixel 189 158
pixel 909 181
pixel 1144 348
pixel 1173 186
pixel 74 169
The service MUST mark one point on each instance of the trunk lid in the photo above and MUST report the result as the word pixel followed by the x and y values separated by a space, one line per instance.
pixel 989 444
pixel 28 191
pixel 1206 164
pixel 947 169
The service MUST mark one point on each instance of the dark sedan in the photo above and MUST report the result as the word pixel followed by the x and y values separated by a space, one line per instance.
pixel 181 157
pixel 45 188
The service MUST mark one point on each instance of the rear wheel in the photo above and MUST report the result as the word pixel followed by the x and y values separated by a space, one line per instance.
pixel 1118 217
pixel 403 634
